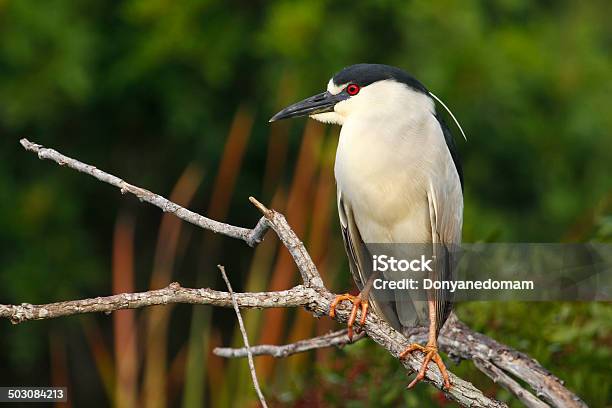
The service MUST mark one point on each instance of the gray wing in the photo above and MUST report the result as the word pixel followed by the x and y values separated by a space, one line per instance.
pixel 446 215
pixel 360 261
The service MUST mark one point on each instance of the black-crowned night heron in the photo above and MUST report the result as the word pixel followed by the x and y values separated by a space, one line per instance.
pixel 399 180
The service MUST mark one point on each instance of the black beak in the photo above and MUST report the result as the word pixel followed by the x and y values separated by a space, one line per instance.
pixel 323 102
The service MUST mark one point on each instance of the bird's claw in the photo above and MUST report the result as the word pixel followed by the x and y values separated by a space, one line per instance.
pixel 431 354
pixel 358 302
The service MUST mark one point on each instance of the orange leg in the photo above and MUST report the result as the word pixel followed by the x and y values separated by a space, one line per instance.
pixel 430 350
pixel 358 301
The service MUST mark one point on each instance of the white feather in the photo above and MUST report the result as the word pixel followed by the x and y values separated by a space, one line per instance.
pixel 450 113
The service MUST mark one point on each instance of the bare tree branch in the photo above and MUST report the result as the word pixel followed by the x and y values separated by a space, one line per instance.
pixel 250 236
pixel 456 340
pixel 338 338
pixel 461 341
pixel 315 300
pixel 173 293
pixel 498 376
pixel 301 257
pixel 245 337
pixel 312 296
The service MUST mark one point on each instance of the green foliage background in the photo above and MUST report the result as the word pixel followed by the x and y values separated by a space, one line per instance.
pixel 142 88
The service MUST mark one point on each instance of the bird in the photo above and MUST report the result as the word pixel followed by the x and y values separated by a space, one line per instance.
pixel 399 180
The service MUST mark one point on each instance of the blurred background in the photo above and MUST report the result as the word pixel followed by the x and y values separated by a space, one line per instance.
pixel 175 96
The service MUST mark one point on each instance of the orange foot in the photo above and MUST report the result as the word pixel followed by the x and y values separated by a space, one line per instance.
pixel 357 303
pixel 431 353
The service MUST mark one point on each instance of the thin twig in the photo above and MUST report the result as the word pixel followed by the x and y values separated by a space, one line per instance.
pixel 245 338
pixel 338 339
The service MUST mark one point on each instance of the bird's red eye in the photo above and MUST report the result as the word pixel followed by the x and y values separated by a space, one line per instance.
pixel 352 89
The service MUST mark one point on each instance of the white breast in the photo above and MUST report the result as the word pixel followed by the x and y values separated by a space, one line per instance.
pixel 383 169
